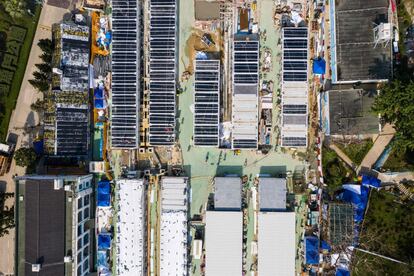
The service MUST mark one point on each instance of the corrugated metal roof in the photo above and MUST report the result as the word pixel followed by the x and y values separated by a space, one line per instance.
pixel 276 248
pixel 272 193
pixel 227 193
pixel 223 243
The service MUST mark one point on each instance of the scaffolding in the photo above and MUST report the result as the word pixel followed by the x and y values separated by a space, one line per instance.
pixel 341 224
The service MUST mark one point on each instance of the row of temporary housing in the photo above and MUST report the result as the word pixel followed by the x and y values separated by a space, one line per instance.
pixel 294 130
pixel 224 229
pixel 162 83
pixel 131 232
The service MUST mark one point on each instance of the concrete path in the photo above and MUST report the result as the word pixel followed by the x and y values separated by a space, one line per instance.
pixel 378 148
pixel 22 118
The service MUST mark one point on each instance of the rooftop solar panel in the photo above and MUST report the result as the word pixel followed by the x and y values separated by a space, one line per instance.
pixel 125 70
pixel 295 72
pixel 245 94
pixel 162 86
pixel 206 103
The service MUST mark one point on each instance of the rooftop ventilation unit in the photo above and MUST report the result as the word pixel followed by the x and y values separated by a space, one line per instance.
pixel 36 267
pixel 58 184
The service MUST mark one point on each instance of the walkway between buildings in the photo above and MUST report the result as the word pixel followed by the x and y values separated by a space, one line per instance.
pixel 375 152
pixel 343 156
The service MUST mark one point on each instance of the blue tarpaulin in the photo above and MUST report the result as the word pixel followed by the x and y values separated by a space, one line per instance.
pixel 99 103
pixel 38 147
pixel 371 181
pixel 98 93
pixel 325 246
pixel 104 193
pixel 319 66
pixel 101 258
pixel 312 250
pixel 342 272
pixel 357 195
pixel 104 241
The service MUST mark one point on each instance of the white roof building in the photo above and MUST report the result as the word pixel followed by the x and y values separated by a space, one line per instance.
pixel 276 243
pixel 224 243
pixel 173 229
pixel 130 238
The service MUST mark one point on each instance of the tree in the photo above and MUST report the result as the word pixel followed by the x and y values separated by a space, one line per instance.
pixel 44 68
pixel 46 45
pixel 40 76
pixel 15 8
pixel 46 57
pixel 6 214
pixel 39 105
pixel 40 85
pixel 394 103
pixel 24 157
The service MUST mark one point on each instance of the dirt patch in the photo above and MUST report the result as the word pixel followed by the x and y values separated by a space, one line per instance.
pixel 196 44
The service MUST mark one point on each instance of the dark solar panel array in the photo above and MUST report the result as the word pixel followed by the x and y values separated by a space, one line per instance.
pixel 295 69
pixel 206 103
pixel 246 62
pixel 71 131
pixel 162 72
pixel 294 141
pixel 125 70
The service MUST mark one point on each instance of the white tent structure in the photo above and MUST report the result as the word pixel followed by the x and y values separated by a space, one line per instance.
pixel 276 243
pixel 130 234
pixel 173 229
pixel 224 243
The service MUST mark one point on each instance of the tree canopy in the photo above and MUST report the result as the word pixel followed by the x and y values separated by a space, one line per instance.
pixel 24 157
pixel 15 8
pixel 395 104
pixel 6 214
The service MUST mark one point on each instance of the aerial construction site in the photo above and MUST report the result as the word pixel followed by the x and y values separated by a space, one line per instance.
pixel 184 137
pixel 213 116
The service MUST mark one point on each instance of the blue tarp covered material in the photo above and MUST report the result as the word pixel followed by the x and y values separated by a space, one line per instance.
pixel 342 272
pixel 38 147
pixel 98 93
pixel 325 246
pixel 319 66
pixel 357 195
pixel 371 181
pixel 312 250
pixel 201 55
pixel 99 103
pixel 104 193
pixel 101 258
pixel 104 241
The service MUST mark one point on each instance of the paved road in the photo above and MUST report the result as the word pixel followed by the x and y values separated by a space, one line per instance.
pixel 23 117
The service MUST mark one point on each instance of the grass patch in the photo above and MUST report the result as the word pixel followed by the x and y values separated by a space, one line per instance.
pixel 399 161
pixel 388 230
pixel 19 56
pixel 335 172
pixel 356 150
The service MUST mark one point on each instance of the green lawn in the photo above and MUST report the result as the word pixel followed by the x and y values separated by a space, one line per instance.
pixel 357 150
pixel 388 230
pixel 9 98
